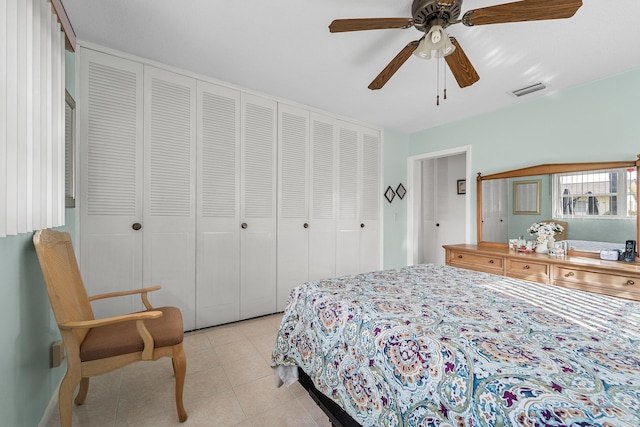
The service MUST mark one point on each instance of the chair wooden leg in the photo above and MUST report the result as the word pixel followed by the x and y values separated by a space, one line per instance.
pixel 82 393
pixel 65 396
pixel 179 362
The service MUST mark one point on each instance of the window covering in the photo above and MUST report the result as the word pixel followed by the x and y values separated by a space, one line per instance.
pixel 32 103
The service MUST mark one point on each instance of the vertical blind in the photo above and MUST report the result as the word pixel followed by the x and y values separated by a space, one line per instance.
pixel 32 185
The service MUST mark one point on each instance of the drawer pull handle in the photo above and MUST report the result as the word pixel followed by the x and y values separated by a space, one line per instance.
pixel 569 274
pixel 490 261
pixel 460 256
pixel 630 283
pixel 526 267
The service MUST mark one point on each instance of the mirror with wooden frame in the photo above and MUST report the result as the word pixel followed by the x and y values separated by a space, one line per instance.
pixel 597 214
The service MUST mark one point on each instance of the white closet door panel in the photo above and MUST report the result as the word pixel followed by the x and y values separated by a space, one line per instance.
pixel 218 207
pixel 322 195
pixel 371 198
pixel 110 177
pixel 348 227
pixel 258 206
pixel 293 201
pixel 169 182
pixel 218 278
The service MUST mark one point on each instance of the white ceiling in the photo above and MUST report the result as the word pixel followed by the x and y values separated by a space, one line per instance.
pixel 283 48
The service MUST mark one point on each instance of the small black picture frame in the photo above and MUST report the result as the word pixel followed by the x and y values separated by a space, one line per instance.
pixel 389 194
pixel 462 186
pixel 401 191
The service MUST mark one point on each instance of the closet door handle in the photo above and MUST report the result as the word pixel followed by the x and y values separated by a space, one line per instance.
pixel 361 225
pixel 244 225
pixel 306 225
pixel 136 226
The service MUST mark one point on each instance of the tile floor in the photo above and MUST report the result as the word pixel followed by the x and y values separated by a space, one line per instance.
pixel 229 383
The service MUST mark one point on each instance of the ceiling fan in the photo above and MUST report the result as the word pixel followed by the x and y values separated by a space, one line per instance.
pixel 433 16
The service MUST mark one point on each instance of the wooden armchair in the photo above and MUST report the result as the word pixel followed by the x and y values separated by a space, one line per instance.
pixel 97 346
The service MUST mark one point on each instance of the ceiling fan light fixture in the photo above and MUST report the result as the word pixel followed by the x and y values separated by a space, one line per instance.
pixel 436 41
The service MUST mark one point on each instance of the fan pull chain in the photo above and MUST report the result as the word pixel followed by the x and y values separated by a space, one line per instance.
pixel 438 81
pixel 445 79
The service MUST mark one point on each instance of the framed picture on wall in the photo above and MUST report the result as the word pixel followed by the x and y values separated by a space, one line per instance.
pixel 526 197
pixel 462 186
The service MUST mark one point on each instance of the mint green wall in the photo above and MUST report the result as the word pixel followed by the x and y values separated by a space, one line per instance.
pixel 395 213
pixel 594 122
pixel 28 327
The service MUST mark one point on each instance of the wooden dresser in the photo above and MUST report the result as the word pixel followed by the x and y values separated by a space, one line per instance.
pixel 614 278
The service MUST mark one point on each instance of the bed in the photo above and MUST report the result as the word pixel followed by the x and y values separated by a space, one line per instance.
pixel 440 346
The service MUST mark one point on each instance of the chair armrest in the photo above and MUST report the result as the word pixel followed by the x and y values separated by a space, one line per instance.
pixel 142 291
pixel 88 324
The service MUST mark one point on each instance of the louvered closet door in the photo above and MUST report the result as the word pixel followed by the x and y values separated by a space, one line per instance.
pixel 258 206
pixel 322 231
pixel 169 196
pixel 348 227
pixel 110 178
pixel 293 201
pixel 218 207
pixel 371 195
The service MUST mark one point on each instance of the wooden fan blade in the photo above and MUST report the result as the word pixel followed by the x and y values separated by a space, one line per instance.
pixel 393 66
pixel 520 11
pixel 343 25
pixel 460 66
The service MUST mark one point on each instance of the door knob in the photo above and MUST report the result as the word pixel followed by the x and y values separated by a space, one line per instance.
pixel 244 225
pixel 306 225
pixel 136 226
pixel 361 225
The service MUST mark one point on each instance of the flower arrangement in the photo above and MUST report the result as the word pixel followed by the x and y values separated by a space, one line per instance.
pixel 545 228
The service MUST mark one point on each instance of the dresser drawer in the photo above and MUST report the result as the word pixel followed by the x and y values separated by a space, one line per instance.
pixel 478 262
pixel 608 283
pixel 524 269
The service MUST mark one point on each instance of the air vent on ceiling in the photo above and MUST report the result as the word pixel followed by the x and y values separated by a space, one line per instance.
pixel 529 89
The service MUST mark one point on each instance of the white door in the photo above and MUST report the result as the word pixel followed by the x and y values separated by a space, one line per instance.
pixel 169 196
pixel 110 178
pixel 370 205
pixel 323 189
pixel 443 210
pixel 293 201
pixel 495 217
pixel 258 206
pixel 348 217
pixel 218 206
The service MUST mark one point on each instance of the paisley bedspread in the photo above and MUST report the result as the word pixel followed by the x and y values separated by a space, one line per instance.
pixel 440 346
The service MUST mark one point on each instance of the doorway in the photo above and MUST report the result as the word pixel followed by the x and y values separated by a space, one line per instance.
pixel 439 211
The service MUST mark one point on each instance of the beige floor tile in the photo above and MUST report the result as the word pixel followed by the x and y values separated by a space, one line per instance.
pixel 230 354
pixel 225 334
pixel 290 414
pixel 247 370
pixel 264 342
pixel 194 341
pixel 205 384
pixel 221 410
pixel 261 395
pixel 259 326
pixel 229 383
pixel 202 360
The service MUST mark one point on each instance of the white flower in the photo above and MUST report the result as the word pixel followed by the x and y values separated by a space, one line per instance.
pixel 545 228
